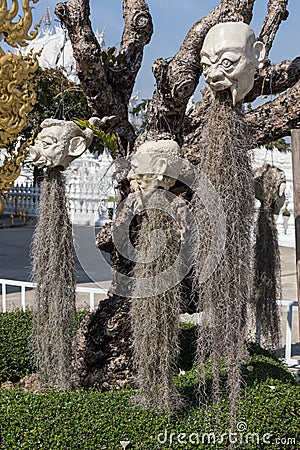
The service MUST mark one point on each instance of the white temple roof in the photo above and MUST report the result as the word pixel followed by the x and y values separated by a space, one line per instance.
pixel 56 47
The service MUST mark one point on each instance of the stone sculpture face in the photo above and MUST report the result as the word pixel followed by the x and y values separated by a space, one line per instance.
pixel 58 144
pixel 230 56
pixel 155 164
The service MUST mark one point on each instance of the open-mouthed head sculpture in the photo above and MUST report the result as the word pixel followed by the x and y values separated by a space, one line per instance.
pixel 59 143
pixel 155 164
pixel 230 56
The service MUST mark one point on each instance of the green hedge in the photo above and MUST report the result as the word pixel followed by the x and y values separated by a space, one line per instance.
pixel 16 360
pixel 87 420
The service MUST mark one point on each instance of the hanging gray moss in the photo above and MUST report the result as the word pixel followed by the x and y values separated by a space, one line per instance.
pixel 155 319
pixel 54 318
pixel 267 267
pixel 222 298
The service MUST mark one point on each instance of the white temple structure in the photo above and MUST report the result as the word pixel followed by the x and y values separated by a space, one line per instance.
pixel 90 188
pixel 56 47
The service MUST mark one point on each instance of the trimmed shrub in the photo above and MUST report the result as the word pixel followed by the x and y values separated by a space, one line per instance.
pixel 187 337
pixel 268 412
pixel 16 359
pixel 88 420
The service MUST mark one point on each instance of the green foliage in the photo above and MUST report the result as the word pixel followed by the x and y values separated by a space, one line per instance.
pixel 187 337
pixel 265 369
pixel 81 315
pixel 281 144
pixel 109 139
pixel 91 420
pixel 111 59
pixel 286 213
pixel 88 420
pixel 15 358
pixel 141 106
pixel 57 97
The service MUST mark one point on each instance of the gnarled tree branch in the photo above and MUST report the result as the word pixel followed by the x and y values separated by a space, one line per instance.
pixel 75 15
pixel 277 12
pixel 277 118
pixel 177 79
pixel 136 34
pixel 108 84
pixel 275 79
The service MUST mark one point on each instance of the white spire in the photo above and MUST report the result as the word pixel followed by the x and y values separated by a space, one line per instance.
pixel 47 20
pixel 100 38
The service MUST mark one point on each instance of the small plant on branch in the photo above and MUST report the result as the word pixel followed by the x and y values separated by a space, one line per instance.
pixel 109 140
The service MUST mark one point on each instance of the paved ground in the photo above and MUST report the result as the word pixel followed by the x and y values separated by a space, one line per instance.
pixel 15 255
pixel 92 268
pixel 289 292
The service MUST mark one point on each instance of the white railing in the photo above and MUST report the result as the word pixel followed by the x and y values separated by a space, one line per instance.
pixel 23 198
pixel 23 285
pixel 87 203
pixel 289 304
pixel 288 334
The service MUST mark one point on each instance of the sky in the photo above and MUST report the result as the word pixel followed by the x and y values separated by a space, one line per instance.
pixel 172 19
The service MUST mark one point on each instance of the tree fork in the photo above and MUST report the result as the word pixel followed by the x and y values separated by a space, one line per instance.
pixel 176 80
pixel 108 87
pixel 276 118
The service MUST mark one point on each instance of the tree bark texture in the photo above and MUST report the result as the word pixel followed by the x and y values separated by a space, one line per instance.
pixel 276 118
pixel 104 347
pixel 108 83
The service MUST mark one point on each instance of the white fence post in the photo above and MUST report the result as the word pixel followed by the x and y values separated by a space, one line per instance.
pixel 288 334
pixel 23 297
pixel 26 284
pixel 92 301
pixel 3 297
pixel 24 197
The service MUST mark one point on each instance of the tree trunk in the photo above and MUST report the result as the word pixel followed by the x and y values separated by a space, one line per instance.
pixel 104 353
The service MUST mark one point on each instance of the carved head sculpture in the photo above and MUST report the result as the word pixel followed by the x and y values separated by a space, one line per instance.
pixel 59 143
pixel 155 164
pixel 270 184
pixel 230 56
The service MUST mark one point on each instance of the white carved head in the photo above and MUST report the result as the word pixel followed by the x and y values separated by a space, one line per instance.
pixel 155 164
pixel 230 56
pixel 59 143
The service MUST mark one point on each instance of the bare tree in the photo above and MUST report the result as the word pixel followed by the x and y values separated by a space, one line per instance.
pixel 104 352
